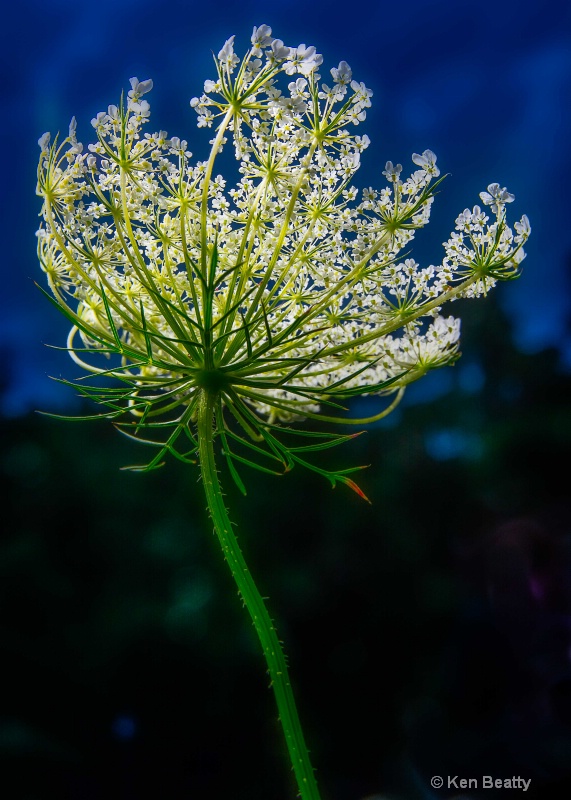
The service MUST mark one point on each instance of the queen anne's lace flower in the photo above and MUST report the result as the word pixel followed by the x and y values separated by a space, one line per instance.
pixel 211 309
pixel 283 292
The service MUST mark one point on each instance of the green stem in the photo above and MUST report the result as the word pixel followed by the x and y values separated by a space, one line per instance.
pixel 253 601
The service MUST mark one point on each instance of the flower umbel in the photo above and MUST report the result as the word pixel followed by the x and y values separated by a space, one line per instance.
pixel 284 292
pixel 231 312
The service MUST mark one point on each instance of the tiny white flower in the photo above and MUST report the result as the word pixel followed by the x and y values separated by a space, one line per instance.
pixel 227 57
pixel 261 37
pixel 99 120
pixel 44 141
pixel 391 172
pixel 523 229
pixel 141 108
pixel 362 142
pixel 302 59
pixel 334 94
pixel 279 51
pixel 362 94
pixel 496 197
pixel 205 119
pixel 139 88
pixel 427 161
pixel 342 74
pixel 463 220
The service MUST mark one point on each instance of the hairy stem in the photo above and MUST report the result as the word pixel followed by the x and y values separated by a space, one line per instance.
pixel 267 635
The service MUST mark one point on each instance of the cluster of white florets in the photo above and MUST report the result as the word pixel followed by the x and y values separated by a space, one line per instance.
pixel 286 282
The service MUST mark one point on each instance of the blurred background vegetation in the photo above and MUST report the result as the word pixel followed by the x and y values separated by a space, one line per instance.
pixel 428 633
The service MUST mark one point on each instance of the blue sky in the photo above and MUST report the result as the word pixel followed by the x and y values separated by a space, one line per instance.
pixel 488 88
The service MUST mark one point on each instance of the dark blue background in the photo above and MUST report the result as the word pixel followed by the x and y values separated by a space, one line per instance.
pixel 487 87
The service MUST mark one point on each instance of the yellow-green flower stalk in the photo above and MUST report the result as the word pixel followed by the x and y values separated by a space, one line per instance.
pixel 226 316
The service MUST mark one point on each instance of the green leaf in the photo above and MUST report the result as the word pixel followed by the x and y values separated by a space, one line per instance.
pixel 226 452
pixel 234 473
pixel 184 457
pixel 340 475
pixel 110 317
pixel 281 452
pixel 247 335
pixel 73 318
pixel 237 409
pixel 341 439
pixel 88 417
pixel 267 324
pixel 253 464
pixel 145 334
pixel 252 446
pixel 213 265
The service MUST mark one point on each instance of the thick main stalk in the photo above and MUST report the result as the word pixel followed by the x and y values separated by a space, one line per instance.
pixel 253 601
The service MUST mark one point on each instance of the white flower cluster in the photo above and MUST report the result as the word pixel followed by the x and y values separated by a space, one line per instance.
pixel 285 290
